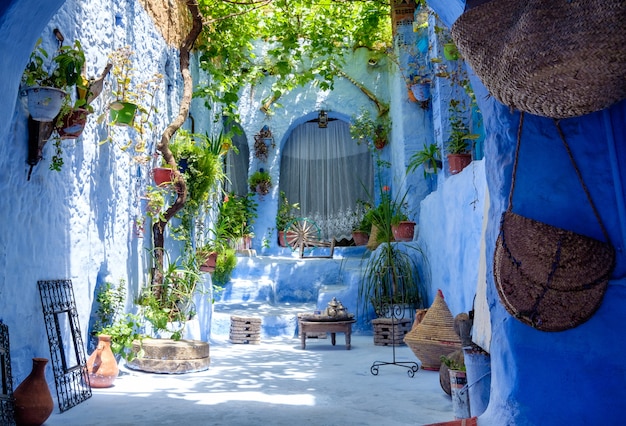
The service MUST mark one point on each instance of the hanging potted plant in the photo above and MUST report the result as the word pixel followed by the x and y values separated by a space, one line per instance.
pixel 458 145
pixel 260 182
pixel 365 129
pixel 262 143
pixel 420 88
pixel 429 157
pixel 46 84
pixel 122 110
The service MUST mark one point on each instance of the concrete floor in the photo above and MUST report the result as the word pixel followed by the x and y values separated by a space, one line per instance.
pixel 274 383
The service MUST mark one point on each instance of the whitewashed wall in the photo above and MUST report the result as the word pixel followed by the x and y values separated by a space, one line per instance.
pixel 78 223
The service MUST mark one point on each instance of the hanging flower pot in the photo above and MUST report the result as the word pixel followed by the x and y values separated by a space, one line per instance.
pixel 73 124
pixel 162 176
pixel 44 103
pixel 421 91
pixel 122 113
pixel 450 52
pixel 403 231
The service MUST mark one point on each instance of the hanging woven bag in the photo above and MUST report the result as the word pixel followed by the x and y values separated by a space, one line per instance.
pixel 547 277
pixel 554 58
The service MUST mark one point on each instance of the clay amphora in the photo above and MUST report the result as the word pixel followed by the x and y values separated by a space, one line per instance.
pixel 102 365
pixel 33 401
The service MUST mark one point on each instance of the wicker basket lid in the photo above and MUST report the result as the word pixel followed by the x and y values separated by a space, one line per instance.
pixel 437 325
pixel 552 58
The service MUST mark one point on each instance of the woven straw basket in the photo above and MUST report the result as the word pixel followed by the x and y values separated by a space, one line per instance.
pixel 554 58
pixel 434 336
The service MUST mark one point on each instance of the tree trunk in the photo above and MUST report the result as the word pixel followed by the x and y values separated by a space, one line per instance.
pixel 158 228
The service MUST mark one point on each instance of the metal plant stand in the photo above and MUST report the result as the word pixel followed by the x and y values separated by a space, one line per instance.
pixel 69 363
pixel 6 386
pixel 394 312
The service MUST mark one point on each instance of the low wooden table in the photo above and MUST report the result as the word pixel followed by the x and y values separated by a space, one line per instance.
pixel 331 327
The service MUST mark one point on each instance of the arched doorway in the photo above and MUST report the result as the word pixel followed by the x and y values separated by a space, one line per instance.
pixel 328 174
pixel 237 164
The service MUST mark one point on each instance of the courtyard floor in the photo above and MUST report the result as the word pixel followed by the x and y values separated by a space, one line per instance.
pixel 274 383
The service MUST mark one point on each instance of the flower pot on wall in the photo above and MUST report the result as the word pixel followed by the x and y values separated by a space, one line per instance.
pixel 457 162
pixel 33 400
pixel 162 176
pixel 44 103
pixel 421 91
pixel 403 231
pixel 450 52
pixel 73 124
pixel 122 113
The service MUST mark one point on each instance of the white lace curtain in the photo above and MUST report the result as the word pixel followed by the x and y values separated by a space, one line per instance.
pixel 327 172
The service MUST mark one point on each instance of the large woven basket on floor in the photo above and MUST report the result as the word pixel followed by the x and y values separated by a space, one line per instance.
pixel 555 58
pixel 434 336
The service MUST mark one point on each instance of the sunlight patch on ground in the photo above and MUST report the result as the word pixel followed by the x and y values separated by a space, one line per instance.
pixel 215 398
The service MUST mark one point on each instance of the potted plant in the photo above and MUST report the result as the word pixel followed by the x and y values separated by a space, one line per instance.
pixel 284 216
pixel 47 84
pixel 260 182
pixel 363 226
pixel 200 160
pixel 235 219
pixel 122 110
pixel 419 86
pixel 429 157
pixel 458 385
pixel 458 145
pixel 262 143
pixel 390 279
pixel 365 129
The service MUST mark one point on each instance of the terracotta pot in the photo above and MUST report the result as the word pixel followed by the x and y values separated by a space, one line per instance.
pixel 360 238
pixel 33 401
pixel 102 365
pixel 281 239
pixel 73 124
pixel 209 264
pixel 404 231
pixel 162 176
pixel 457 162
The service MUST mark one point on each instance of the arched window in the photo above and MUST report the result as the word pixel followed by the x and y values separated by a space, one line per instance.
pixel 237 164
pixel 327 172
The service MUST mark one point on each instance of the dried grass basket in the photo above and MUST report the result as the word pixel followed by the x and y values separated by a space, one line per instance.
pixel 434 336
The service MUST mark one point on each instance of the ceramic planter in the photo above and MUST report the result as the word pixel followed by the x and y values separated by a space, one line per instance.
pixel 403 231
pixel 162 176
pixel 73 124
pixel 209 264
pixel 33 400
pixel 457 162
pixel 450 52
pixel 360 238
pixel 421 91
pixel 122 113
pixel 102 365
pixel 44 103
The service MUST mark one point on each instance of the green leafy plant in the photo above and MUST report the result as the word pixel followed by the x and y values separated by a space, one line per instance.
pixel 366 129
pixel 452 364
pixel 62 71
pixel 236 216
pixel 260 181
pixel 429 156
pixel 460 133
pixel 286 211
pixel 174 307
pixel 124 328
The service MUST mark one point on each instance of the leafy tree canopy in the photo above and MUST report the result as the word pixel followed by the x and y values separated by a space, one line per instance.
pixel 304 39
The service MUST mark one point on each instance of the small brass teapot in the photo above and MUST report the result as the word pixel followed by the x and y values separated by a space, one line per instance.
pixel 336 309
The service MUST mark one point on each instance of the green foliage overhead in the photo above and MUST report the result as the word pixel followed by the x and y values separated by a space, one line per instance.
pixel 305 38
